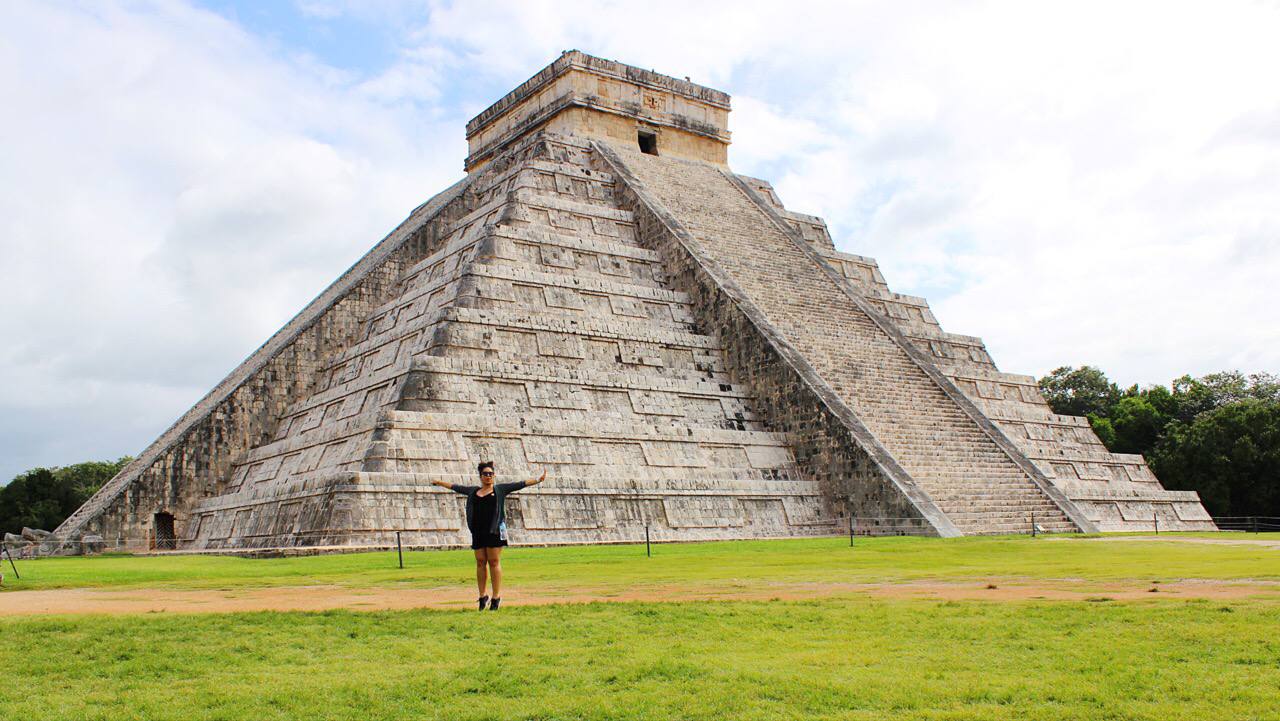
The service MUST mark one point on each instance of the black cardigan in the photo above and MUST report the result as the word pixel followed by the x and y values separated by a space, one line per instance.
pixel 500 493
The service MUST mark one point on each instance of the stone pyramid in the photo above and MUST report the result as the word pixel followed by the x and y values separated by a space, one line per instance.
pixel 601 296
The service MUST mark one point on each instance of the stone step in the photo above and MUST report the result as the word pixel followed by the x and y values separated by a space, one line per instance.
pixel 1021 519
pixel 1027 500
pixel 973 473
pixel 969 503
pixel 993 499
pixel 563 484
pixel 492 423
pixel 802 505
pixel 522 199
pixel 545 236
pixel 1008 508
pixel 990 505
pixel 1018 531
pixel 613 286
pixel 526 174
pixel 576 189
pixel 566 326
pixel 638 331
pixel 361 384
pixel 639 378
pixel 666 399
pixel 614 278
pixel 602 429
pixel 967 484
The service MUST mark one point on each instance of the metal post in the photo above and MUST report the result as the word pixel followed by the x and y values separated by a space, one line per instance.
pixel 1033 524
pixel 1255 523
pixel 852 520
pixel 1155 522
pixel 399 550
pixel 11 563
pixel 647 552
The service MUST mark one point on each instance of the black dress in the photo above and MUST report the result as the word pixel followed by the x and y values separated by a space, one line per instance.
pixel 482 535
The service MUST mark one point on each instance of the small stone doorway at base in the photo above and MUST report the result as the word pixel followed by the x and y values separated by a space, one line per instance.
pixel 166 539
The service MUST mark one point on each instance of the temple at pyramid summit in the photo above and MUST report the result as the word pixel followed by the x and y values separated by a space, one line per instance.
pixel 603 297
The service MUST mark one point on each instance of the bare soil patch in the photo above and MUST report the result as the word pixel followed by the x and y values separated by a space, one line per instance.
pixel 319 598
pixel 1239 540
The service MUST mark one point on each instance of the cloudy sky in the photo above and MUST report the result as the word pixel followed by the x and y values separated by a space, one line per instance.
pixel 1075 182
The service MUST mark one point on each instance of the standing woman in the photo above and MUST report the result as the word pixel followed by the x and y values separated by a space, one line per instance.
pixel 486 518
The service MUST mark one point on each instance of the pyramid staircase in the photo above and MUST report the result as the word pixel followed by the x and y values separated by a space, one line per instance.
pixel 1113 491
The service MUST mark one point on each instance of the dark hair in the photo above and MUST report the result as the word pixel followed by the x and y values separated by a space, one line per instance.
pixel 485 464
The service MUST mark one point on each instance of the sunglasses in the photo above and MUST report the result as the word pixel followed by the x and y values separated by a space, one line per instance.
pixel 487 473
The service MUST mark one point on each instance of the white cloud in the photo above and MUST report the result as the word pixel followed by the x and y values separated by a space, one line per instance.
pixel 177 194
pixel 1078 183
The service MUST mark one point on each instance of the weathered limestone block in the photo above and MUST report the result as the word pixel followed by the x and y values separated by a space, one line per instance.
pixel 93 544
pixel 35 535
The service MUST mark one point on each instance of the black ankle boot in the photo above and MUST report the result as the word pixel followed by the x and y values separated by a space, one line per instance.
pixel 482 601
pixel 493 605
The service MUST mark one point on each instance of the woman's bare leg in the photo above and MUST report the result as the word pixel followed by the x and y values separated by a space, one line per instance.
pixel 482 569
pixel 495 570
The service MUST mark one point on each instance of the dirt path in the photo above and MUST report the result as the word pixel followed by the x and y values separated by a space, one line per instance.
pixel 317 598
pixel 1237 540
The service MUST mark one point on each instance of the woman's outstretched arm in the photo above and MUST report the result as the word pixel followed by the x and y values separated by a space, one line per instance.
pixel 517 485
pixel 455 487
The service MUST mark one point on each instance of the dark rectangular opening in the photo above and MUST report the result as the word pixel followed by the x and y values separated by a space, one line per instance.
pixel 166 539
pixel 648 142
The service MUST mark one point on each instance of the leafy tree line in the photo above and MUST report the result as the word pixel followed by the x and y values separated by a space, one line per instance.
pixel 1218 434
pixel 44 497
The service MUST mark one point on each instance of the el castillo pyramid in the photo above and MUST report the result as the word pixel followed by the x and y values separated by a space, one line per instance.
pixel 601 295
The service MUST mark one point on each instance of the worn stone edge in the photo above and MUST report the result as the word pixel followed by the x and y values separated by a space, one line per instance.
pixel 499 145
pixel 279 341
pixel 948 387
pixel 600 66
pixel 878 454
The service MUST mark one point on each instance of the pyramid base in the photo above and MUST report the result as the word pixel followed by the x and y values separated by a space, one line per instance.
pixel 367 510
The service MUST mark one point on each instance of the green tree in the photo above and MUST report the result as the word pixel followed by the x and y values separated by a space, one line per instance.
pixel 86 478
pixel 1230 455
pixel 1218 434
pixel 1104 429
pixel 1163 400
pixel 44 497
pixel 1079 391
pixel 1193 396
pixel 1137 424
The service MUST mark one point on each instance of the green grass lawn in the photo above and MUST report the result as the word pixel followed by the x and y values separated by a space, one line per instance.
pixel 851 659
pixel 871 560
pixel 841 657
